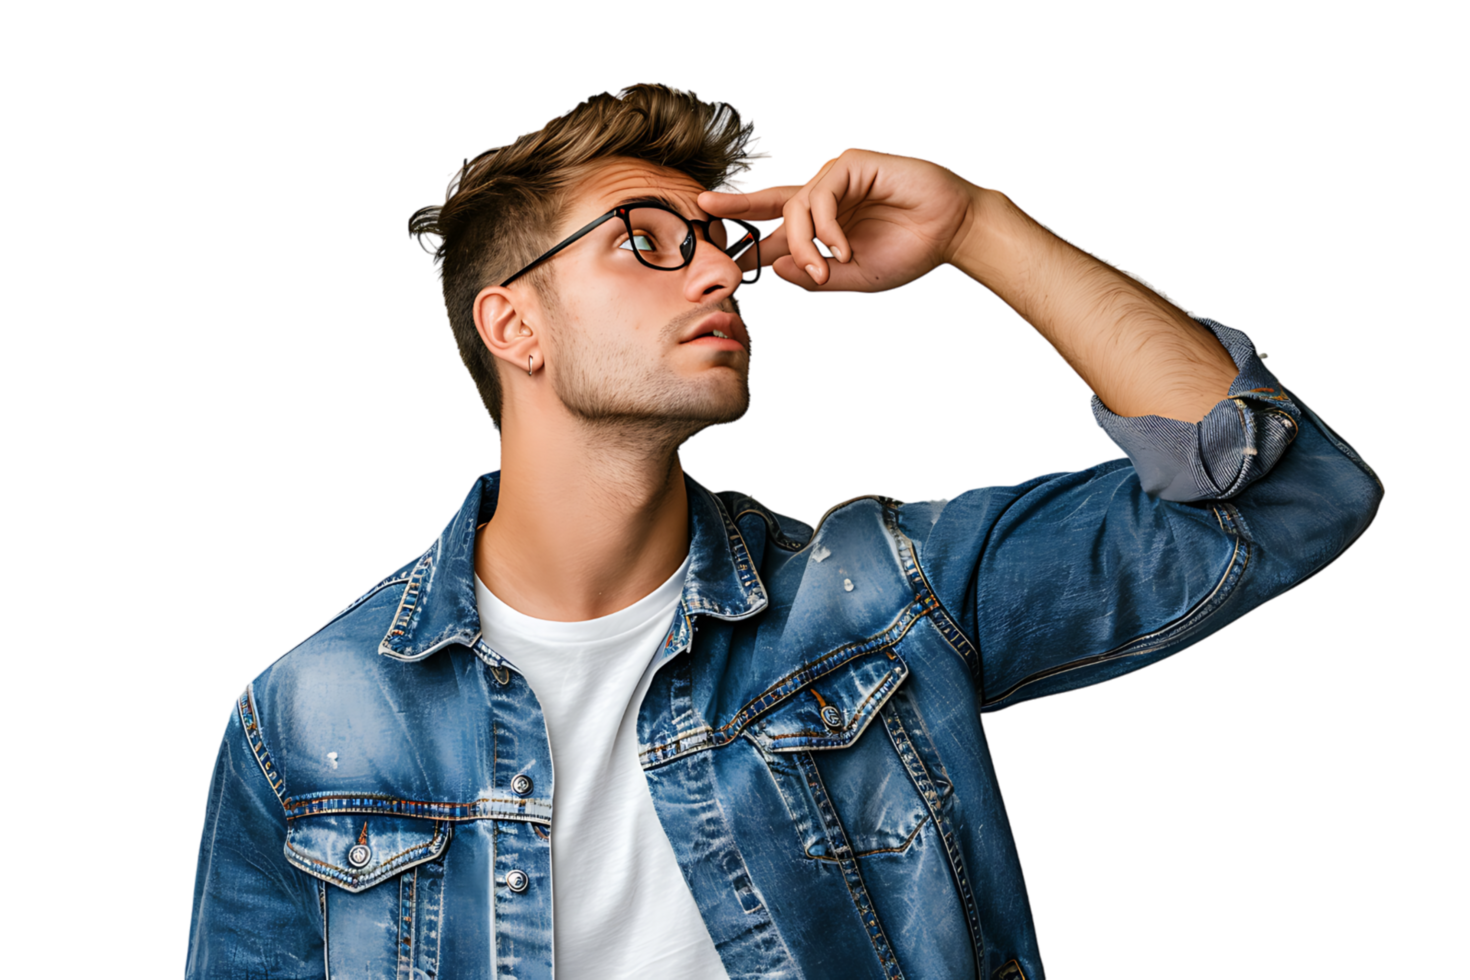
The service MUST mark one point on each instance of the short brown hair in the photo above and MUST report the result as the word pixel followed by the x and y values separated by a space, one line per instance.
pixel 502 207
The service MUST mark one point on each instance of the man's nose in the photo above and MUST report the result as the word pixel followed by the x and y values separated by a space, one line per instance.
pixel 711 274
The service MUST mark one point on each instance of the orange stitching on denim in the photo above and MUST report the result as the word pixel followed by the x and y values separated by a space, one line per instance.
pixel 320 806
pixel 408 602
pixel 407 908
pixel 432 844
pixel 248 714
pixel 889 682
pixel 903 622
pixel 304 802
pixel 967 649
pixel 746 714
pixel 899 849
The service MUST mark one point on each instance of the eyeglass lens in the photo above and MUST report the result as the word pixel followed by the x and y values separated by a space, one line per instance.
pixel 662 238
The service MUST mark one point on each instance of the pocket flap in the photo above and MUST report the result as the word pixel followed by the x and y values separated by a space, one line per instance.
pixel 832 710
pixel 355 851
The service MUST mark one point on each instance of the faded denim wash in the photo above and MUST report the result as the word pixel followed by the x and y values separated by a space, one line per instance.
pixel 812 741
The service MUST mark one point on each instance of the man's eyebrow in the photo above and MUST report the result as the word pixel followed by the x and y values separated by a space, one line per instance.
pixel 648 199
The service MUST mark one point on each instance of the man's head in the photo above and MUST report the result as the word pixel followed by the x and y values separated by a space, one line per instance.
pixel 614 337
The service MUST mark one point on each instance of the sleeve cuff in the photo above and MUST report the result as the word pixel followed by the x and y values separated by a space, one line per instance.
pixel 1234 445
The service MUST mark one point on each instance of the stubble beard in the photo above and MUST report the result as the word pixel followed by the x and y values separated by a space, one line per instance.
pixel 611 393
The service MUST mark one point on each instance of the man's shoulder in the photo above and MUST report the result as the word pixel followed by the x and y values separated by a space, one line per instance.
pixel 874 517
pixel 355 632
pixel 339 713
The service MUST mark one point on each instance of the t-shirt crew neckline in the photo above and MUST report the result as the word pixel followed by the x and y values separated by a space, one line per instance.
pixel 626 620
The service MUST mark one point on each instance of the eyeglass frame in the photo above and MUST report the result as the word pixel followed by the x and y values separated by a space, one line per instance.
pixel 621 211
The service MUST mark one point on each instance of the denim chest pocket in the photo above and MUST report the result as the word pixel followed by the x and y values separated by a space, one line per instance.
pixel 383 919
pixel 829 752
pixel 830 709
pixel 356 851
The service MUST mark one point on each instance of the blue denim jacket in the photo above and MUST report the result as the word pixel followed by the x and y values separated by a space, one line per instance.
pixel 812 740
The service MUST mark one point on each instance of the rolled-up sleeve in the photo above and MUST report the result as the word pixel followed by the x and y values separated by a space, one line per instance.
pixel 1229 449
pixel 1074 578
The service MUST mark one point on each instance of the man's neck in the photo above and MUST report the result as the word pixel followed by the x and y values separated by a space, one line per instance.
pixel 589 520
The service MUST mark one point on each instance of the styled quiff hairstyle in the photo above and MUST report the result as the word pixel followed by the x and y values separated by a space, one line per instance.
pixel 502 207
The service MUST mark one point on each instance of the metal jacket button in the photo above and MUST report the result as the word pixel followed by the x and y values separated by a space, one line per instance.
pixel 517 881
pixel 521 785
pixel 831 716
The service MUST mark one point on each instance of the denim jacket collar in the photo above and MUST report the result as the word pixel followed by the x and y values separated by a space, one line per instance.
pixel 439 608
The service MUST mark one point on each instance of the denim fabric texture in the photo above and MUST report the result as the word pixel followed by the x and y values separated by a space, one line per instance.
pixel 812 741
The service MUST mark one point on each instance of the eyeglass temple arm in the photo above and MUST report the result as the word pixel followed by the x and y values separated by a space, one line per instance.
pixel 579 233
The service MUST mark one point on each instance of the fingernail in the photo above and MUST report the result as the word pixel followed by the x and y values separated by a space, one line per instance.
pixel 814 272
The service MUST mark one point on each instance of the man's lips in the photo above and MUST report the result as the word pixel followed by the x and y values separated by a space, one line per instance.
pixel 718 331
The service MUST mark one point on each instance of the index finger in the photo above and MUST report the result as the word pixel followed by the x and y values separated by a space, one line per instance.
pixel 761 205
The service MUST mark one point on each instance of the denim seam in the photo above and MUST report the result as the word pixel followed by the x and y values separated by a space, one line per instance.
pixel 303 808
pixel 321 888
pixel 403 616
pixel 899 849
pixel 817 531
pixel 438 921
pixel 462 638
pixel 907 709
pixel 933 799
pixel 408 881
pixel 684 744
pixel 249 719
pixel 851 875
pixel 1170 632
pixel 962 645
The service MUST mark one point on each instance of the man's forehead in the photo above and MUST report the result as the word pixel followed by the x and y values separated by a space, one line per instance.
pixel 619 180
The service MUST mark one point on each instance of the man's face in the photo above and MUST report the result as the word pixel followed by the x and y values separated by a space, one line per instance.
pixel 629 344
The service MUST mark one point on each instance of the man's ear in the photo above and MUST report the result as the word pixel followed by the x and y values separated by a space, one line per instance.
pixel 504 330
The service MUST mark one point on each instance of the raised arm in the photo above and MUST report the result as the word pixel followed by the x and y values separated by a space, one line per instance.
pixel 1139 352
pixel 1074 578
pixel 888 220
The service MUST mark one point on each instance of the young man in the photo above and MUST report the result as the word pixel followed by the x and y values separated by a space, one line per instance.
pixel 614 723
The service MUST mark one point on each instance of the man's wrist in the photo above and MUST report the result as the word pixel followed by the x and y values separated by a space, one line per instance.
pixel 1003 246
pixel 988 243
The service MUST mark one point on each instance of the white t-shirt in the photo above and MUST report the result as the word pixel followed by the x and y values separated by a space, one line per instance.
pixel 621 906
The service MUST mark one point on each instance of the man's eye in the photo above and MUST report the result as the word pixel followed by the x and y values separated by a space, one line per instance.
pixel 641 242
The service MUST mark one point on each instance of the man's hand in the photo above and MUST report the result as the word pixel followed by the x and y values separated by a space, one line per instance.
pixel 887 220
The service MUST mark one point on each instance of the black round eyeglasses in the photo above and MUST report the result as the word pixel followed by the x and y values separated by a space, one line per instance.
pixel 662 238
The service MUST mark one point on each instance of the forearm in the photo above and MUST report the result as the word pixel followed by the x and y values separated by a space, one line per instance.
pixel 1140 353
